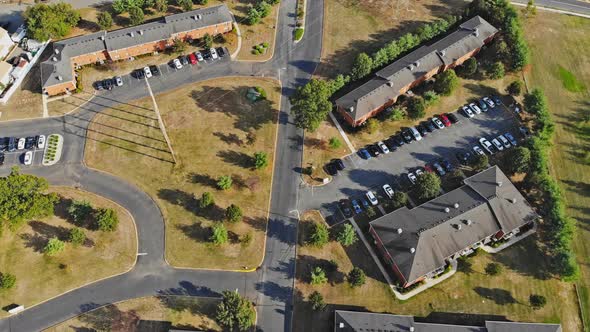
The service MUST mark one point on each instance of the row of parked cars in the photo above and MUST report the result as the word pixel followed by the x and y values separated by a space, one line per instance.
pixel 357 206
pixel 11 144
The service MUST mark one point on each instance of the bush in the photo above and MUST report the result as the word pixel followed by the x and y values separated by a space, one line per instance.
pixel 396 114
pixel 318 276
pixel 347 236
pixel 261 91
pixel 53 21
pixel 430 98
pixel 53 247
pixel 371 213
pixel 537 301
pixel 104 20
pixel 207 40
pixel 493 269
pixel 136 15
pixel 317 301
pixel 496 71
pixel 371 125
pixel 356 277
pixel 7 280
pixel 263 8
pixel 298 33
pixel 416 107
pixel 446 82
pixel 106 219
pixel 319 235
pixel 334 143
pixel 233 213
pixel 218 234
pixel 77 236
pixel 517 160
pixel 206 200
pixel 260 160
pixel 179 46
pixel 469 67
pixel 253 16
pixel 186 5
pixel 224 182
pixel 515 88
pixel 427 186
pixel 399 199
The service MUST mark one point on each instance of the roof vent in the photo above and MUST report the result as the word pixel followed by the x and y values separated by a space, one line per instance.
pixel 411 329
pixel 140 32
pixel 390 83
pixel 412 250
pixel 513 200
pixel 458 226
pixel 56 51
pixel 341 325
pixel 399 231
pixel 411 67
pixel 468 222
pixel 131 34
pixel 59 78
pixel 442 53
pixel 456 205
pixel 417 64
pixel 476 32
pixel 447 210
pixel 499 183
pixel 54 59
pixel 351 109
pixel 101 37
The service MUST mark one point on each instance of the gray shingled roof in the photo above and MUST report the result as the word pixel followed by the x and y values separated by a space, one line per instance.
pixel 351 321
pixel 484 208
pixel 113 40
pixel 387 83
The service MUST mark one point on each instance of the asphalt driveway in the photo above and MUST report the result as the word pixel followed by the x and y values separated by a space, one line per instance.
pixel 361 175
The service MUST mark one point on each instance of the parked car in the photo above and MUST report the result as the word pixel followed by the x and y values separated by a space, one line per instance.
pixel 371 197
pixel 428 169
pixel 213 53
pixel 147 71
pixel 28 158
pixel 486 145
pixel 21 143
pixel 221 52
pixel 467 112
pixel 488 101
pixel 446 165
pixel 478 150
pixel 139 74
pixel 497 100
pixel 511 139
pixel 445 120
pixel 331 169
pixel 482 104
pixel 364 154
pixel 118 81
pixel 453 117
pixel 412 177
pixel 365 203
pixel 415 134
pixel 356 206
pixel 475 108
pixel 192 58
pixel 345 208
pixel 407 135
pixel 422 130
pixel 1 158
pixel 418 172
pixel 155 70
pixel 391 144
pixel 437 123
pixel 464 157
pixel 428 126
pixel 176 63
pixel 339 164
pixel 524 131
pixel 3 144
pixel 497 144
pixel 41 142
pixel 184 60
pixel 29 142
pixel 438 169
pixel 12 144
pixel 504 141
pixel 199 56
pixel 373 150
pixel 398 139
pixel 108 84
pixel 388 191
pixel 383 147
pixel 98 85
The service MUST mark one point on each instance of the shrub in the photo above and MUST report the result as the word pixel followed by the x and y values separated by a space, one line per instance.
pixel 107 219
pixel 207 40
pixel 263 8
pixel 7 280
pixel 496 71
pixel 319 235
pixel 356 277
pixel 318 276
pixel 104 20
pixel 446 82
pixel 53 247
pixel 260 160
pixel 253 16
pixel 537 301
pixel 206 200
pixel 218 234
pixel 430 98
pixel 416 107
pixel 493 269
pixel 136 15
pixel 399 199
pixel 371 213
pixel 396 114
pixel 334 143
pixel 317 301
pixel 480 162
pixel 186 5
pixel 469 67
pixel 298 33
pixel 517 160
pixel 233 213
pixel 347 236
pixel 515 88
pixel 261 91
pixel 224 182
pixel 77 236
pixel 371 125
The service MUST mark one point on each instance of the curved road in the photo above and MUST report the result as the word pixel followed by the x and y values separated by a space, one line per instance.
pixel 271 286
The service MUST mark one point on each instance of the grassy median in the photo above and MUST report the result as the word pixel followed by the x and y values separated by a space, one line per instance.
pixel 209 124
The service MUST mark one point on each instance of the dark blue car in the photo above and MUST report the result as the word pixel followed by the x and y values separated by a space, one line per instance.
pixel 356 206
pixel 364 154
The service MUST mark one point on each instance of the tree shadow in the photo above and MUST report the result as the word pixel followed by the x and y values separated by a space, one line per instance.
pixel 498 295
pixel 229 139
pixel 188 288
pixel 257 223
pixel 306 264
pixel 196 231
pixel 536 264
pixel 42 233
pixel 202 179
pixel 109 318
pixel 236 158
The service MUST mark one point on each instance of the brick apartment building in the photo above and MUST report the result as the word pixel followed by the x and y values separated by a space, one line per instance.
pixel 57 72
pixel 418 243
pixel 397 78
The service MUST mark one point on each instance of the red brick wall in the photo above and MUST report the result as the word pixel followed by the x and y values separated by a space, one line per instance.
pixel 387 257
pixel 60 88
pixel 85 59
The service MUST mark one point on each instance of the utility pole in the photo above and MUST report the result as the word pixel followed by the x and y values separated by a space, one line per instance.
pixel 160 121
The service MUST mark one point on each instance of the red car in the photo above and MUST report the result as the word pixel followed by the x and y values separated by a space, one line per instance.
pixel 445 120
pixel 428 168
pixel 192 58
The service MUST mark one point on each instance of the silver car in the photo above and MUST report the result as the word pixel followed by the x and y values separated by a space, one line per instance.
pixel 118 81
pixel 486 145
pixel 504 141
pixel 497 144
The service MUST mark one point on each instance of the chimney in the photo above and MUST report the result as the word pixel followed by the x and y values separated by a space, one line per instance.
pixel 456 205
pixel 399 231
pixel 199 16
pixel 390 83
pixel 101 37
pixel 447 210
pixel 411 67
pixel 341 325
pixel 412 250
pixel 351 109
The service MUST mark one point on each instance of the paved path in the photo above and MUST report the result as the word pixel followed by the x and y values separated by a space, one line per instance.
pixel 571 6
pixel 271 286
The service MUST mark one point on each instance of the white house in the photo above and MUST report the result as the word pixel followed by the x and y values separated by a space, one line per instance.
pixel 5 43
pixel 5 78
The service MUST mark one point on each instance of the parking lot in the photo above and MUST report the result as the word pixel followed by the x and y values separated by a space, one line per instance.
pixel 16 158
pixel 361 175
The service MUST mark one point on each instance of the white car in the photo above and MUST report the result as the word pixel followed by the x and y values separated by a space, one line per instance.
pixel 467 112
pixel 28 159
pixel 21 143
pixel 488 101
pixel 418 172
pixel 147 71
pixel 497 144
pixel 478 150
pixel 371 197
pixel 199 56
pixel 436 121
pixel 383 147
pixel 388 190
pixel 41 142
pixel 213 53
pixel 415 133
pixel 486 145
pixel 504 141
pixel 412 177
pixel 177 64
pixel 475 108
pixel 118 81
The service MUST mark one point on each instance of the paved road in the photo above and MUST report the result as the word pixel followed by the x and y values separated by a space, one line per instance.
pixel 573 6
pixel 272 285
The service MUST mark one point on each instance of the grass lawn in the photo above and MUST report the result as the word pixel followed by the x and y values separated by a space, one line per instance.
pixel 207 124
pixel 564 75
pixel 353 26
pixel 60 106
pixel 154 314
pixel 469 297
pixel 26 101
pixel 40 277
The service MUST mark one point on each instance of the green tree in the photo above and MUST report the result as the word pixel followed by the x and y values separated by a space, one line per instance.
pixel 201 2
pixel 263 8
pixel 480 162
pixel 396 114
pixel 446 82
pixel 54 247
pixel 206 200
pixel 22 198
pixel 104 20
pixel 80 211
pixel 363 64
pixel 535 102
pixel 186 5
pixel 233 213
pixel 224 182
pixel 219 234
pixel 235 312
pixel 531 8
pixel 53 21
pixel 493 269
pixel 515 88
pixel 207 40
pixel 497 70
pixel 371 125
pixel 106 219
pixel 517 160
pixel 260 160
pixel 161 6
pixel 136 15
pixel 7 280
pixel 317 301
pixel 356 277
pixel 318 276
pixel 430 98
pixel 77 236
pixel 347 235
pixel 399 199
pixel 179 46
pixel 537 301
pixel 311 104
pixel 371 213
pixel 319 235
pixel 334 143
pixel 469 67
pixel 427 186
pixel 416 107
pixel 253 16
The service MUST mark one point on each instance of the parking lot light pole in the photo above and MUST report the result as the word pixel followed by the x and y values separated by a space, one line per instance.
pixel 160 121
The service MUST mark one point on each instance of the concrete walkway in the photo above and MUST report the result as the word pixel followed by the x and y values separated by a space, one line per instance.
pixel 511 241
pixel 342 133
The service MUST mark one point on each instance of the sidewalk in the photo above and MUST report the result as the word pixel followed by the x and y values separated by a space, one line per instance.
pixel 342 133
pixel 511 241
